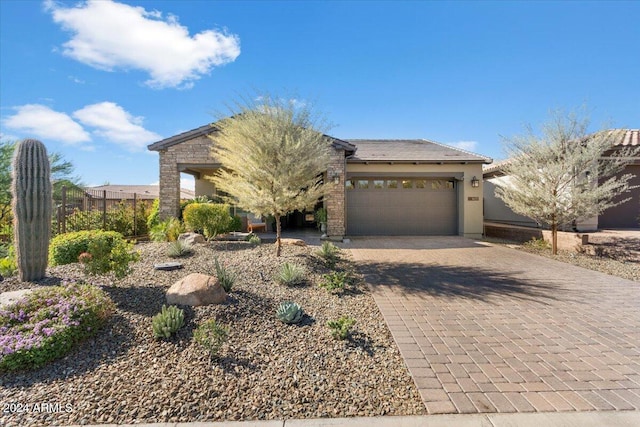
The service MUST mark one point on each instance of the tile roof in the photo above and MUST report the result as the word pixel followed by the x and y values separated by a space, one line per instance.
pixel 410 151
pixel 208 129
pixel 141 191
pixel 620 138
pixel 625 137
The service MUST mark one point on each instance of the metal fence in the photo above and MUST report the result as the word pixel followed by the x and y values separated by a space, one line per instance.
pixel 87 209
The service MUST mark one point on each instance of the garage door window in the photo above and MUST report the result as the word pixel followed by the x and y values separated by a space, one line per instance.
pixel 349 184
pixel 421 183
pixel 392 183
pixel 363 183
pixel 378 183
pixel 407 183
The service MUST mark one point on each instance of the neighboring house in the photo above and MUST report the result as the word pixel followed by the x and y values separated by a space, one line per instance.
pixel 621 216
pixel 383 187
pixel 142 192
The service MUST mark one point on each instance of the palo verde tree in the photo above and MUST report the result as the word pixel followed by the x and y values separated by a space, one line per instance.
pixel 566 174
pixel 272 153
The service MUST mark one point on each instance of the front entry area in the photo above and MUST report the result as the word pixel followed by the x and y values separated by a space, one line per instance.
pixel 397 206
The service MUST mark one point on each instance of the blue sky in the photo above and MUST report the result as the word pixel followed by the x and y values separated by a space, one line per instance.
pixel 98 81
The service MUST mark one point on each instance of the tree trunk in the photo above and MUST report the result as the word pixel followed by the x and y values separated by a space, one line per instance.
pixel 278 232
pixel 554 238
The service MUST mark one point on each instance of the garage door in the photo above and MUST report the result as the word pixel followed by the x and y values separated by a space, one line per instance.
pixel 401 206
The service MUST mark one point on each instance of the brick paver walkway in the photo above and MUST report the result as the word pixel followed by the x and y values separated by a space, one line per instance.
pixel 485 328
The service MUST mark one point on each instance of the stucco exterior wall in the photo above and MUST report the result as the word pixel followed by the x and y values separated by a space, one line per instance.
pixel 470 220
pixel 495 210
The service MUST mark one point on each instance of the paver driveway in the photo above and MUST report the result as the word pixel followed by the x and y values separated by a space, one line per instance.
pixel 485 328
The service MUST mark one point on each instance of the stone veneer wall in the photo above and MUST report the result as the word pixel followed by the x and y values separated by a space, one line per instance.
pixel 335 198
pixel 194 151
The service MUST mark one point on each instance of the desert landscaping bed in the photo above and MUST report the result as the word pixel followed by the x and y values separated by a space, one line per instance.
pixel 619 258
pixel 266 369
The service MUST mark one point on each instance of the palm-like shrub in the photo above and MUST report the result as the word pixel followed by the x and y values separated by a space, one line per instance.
pixel 179 249
pixel 290 275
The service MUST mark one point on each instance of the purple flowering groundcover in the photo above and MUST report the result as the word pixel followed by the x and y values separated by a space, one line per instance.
pixel 46 324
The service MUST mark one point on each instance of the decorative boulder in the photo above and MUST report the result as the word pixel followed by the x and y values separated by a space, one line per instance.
pixel 191 238
pixel 196 289
pixel 7 298
pixel 297 242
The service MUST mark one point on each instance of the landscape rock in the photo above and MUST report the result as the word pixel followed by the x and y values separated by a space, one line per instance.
pixel 191 238
pixel 297 242
pixel 7 298
pixel 168 266
pixel 196 289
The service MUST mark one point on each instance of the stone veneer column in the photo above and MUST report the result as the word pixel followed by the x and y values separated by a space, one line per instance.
pixel 169 186
pixel 335 198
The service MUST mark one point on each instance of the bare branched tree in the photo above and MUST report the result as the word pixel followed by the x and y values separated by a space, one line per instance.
pixel 566 174
pixel 273 153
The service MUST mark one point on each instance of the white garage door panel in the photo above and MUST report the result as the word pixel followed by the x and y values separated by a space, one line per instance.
pixel 428 210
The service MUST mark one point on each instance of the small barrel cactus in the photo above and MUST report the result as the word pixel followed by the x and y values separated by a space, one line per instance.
pixel 167 322
pixel 32 206
pixel 289 312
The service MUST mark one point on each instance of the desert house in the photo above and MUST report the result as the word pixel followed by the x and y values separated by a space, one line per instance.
pixel 625 215
pixel 382 187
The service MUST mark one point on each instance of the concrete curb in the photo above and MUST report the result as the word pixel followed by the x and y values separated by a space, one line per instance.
pixel 535 419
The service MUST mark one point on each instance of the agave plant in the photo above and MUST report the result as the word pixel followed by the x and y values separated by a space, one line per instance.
pixel 289 312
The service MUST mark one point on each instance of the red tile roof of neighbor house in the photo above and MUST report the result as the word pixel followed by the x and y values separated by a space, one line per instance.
pixel 410 151
pixel 626 137
pixel 621 138
pixel 147 192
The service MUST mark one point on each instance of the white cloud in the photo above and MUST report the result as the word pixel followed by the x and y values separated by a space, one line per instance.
pixel 114 124
pixel 465 145
pixel 109 35
pixel 42 122
pixel 188 182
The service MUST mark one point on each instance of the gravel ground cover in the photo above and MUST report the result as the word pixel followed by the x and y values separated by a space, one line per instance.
pixel 618 258
pixel 266 369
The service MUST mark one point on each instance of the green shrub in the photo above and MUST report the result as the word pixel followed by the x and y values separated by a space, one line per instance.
pixel 289 312
pixel 335 280
pixel 65 248
pixel 226 278
pixel 166 231
pixel 121 218
pixel 110 253
pixel 80 220
pixel 47 323
pixel 210 219
pixel 236 223
pixel 108 250
pixel 538 244
pixel 290 275
pixel 254 239
pixel 8 265
pixel 329 253
pixel 179 249
pixel 341 328
pixel 167 322
pixel 154 214
pixel 211 336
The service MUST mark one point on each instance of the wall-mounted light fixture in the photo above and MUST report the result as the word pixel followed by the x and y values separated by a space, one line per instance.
pixel 475 182
pixel 336 178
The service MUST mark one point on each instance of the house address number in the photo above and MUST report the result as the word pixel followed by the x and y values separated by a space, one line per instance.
pixel 473 199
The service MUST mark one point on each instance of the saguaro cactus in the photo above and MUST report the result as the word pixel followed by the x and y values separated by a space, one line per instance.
pixel 32 206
